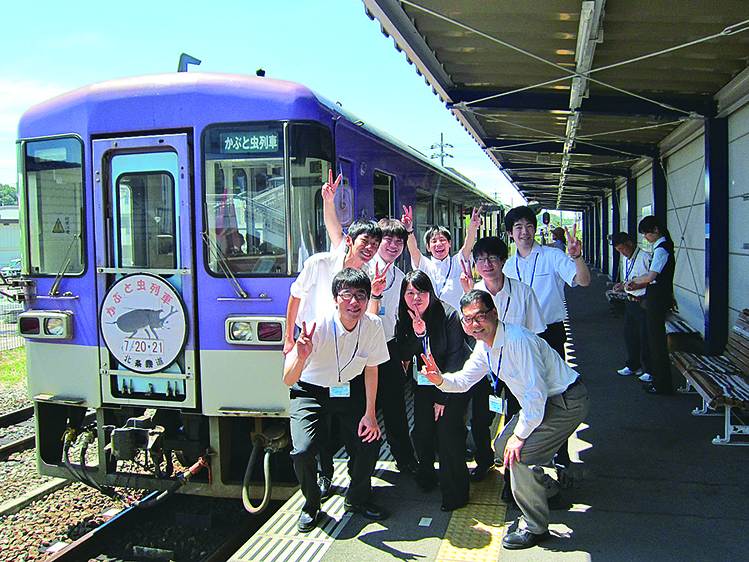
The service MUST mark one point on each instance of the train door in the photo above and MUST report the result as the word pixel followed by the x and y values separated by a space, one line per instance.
pixel 144 270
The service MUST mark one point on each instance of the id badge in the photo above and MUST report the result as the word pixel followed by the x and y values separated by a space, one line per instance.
pixel 340 391
pixel 422 380
pixel 497 405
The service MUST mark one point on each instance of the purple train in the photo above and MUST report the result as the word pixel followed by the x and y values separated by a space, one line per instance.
pixel 163 221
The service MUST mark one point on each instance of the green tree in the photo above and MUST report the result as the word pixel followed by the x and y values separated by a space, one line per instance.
pixel 8 195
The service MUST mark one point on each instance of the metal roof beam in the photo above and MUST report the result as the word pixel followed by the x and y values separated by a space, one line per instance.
pixel 593 171
pixel 580 148
pixel 592 105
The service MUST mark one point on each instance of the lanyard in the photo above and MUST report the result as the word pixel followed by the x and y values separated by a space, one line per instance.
pixel 425 344
pixel 630 265
pixel 495 379
pixel 391 282
pixel 337 360
pixel 509 296
pixel 442 289
pixel 533 274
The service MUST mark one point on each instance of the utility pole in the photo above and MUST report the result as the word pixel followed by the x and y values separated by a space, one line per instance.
pixel 442 154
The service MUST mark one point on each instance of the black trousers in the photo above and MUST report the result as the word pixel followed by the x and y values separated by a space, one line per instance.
pixel 446 436
pixel 310 405
pixel 636 337
pixel 656 311
pixel 391 401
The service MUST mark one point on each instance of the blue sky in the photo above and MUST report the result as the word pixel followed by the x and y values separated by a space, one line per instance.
pixel 331 46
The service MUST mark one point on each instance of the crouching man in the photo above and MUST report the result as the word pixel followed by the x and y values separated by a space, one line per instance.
pixel 323 370
pixel 553 400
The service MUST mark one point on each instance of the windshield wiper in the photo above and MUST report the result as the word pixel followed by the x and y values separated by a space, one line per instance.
pixel 223 263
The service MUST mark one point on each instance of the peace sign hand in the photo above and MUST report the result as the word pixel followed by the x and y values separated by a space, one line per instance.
pixel 408 217
pixel 466 278
pixel 476 220
pixel 430 370
pixel 304 342
pixel 574 245
pixel 419 325
pixel 329 187
pixel 378 283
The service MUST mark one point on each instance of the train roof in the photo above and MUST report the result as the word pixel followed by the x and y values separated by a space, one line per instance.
pixel 180 99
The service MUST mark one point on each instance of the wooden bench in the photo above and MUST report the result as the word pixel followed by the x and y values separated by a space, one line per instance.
pixel 722 380
pixel 682 337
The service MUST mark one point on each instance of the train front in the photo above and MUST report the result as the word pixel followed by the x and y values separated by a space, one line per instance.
pixel 163 220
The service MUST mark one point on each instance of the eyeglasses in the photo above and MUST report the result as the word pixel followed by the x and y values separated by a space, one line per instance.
pixel 360 296
pixel 477 318
pixel 487 259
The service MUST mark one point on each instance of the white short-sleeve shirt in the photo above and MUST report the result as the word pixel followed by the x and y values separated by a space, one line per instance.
pixel 445 276
pixel 313 286
pixel 388 312
pixel 638 265
pixel 336 351
pixel 517 304
pixel 545 270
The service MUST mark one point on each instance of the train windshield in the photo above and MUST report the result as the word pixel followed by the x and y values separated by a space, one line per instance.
pixel 53 189
pixel 246 197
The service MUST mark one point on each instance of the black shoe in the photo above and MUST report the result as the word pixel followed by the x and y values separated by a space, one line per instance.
pixel 650 389
pixel 368 509
pixel 453 508
pixel 411 468
pixel 480 472
pixel 523 539
pixel 307 521
pixel 326 487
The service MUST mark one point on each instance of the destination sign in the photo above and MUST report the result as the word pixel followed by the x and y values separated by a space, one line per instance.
pixel 243 142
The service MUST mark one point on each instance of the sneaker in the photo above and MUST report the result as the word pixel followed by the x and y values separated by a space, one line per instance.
pixel 626 371
pixel 326 487
pixel 646 377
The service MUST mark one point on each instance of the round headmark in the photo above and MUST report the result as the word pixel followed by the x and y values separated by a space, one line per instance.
pixel 143 322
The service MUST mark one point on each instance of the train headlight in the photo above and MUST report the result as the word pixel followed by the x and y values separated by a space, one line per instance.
pixel 241 331
pixel 254 330
pixel 46 324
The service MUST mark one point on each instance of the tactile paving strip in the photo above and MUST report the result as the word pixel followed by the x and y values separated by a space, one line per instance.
pixel 475 531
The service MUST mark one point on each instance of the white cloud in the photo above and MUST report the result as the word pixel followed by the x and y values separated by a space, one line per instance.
pixel 15 98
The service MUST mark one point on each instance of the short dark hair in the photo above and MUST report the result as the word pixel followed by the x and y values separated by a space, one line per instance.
pixel 351 278
pixel 621 238
pixel 522 212
pixel 394 228
pixel 364 227
pixel 649 224
pixel 477 296
pixel 491 246
pixel 443 230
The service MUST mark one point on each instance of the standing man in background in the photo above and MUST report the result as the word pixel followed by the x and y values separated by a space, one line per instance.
pixel 636 263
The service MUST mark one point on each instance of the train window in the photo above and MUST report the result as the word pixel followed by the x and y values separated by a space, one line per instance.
pixel 145 216
pixel 423 215
pixel 311 156
pixel 384 191
pixel 245 201
pixel 246 218
pixel 53 187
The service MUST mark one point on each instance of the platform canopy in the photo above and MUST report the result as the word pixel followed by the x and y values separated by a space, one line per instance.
pixel 566 96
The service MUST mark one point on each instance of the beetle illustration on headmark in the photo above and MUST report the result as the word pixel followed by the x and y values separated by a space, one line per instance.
pixel 142 319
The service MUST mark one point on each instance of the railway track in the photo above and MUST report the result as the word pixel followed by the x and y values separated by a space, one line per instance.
pixel 19 418
pixel 107 539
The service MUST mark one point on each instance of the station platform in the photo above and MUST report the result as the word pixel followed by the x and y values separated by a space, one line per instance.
pixel 647 483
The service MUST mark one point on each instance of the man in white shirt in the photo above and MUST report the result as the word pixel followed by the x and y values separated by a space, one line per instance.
pixel 322 370
pixel 516 304
pixel 384 303
pixel 554 403
pixel 636 263
pixel 310 297
pixel 443 269
pixel 545 270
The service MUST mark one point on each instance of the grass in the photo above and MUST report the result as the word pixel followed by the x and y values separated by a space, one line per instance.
pixel 13 366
